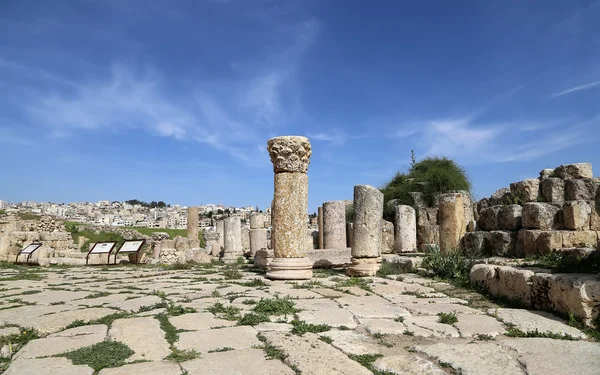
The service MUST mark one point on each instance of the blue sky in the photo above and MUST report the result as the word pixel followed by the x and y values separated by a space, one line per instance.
pixel 176 100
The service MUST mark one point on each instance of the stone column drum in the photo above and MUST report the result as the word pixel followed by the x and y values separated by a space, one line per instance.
pixel 233 240
pixel 366 249
pixel 320 222
pixel 290 157
pixel 334 225
pixel 453 225
pixel 220 228
pixel 258 233
pixel 405 222
pixel 192 227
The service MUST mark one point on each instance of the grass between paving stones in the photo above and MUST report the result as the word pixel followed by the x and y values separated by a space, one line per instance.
pixel 300 327
pixel 23 276
pixel 107 320
pixel 225 349
pixel 390 268
pixel 252 319
pixel 367 361
pixel 447 318
pixel 307 285
pixel 97 295
pixel 18 340
pixel 254 283
pixel 232 274
pixel 276 306
pixel 271 351
pixel 515 332
pixel 178 355
pixel 359 282
pixel 27 292
pixel 229 312
pixel 171 333
pixel 484 337
pixel 177 310
pixel 326 339
pixel 101 355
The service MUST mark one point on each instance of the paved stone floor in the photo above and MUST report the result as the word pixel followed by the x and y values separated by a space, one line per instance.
pixel 218 320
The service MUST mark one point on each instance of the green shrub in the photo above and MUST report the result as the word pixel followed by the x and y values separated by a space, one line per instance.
pixel 447 318
pixel 453 265
pixel 276 306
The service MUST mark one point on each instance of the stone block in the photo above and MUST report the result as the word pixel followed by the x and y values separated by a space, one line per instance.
pixel 510 217
pixel 481 205
pixel 476 242
pixel 485 276
pixel 572 171
pixel 578 294
pixel 515 284
pixel 543 216
pixel 546 173
pixel 428 235
pixel 526 190
pixel 581 189
pixel 488 218
pixel 405 230
pixel 500 197
pixel 502 243
pixel 576 215
pixel 540 287
pixel 453 224
pixel 427 216
pixel 579 238
pixel 553 190
pixel 549 241
pixel 595 214
pixel 387 237
pixel 328 258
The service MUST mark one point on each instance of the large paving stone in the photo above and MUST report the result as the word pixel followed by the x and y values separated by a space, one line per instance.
pixel 402 364
pixel 557 357
pixel 8 331
pixel 136 303
pixel 55 322
pixel 53 296
pixel 199 321
pixel 335 317
pixel 47 366
pixel 530 321
pixel 472 325
pixel 474 359
pixel 65 341
pixel 422 306
pixel 243 361
pixel 314 357
pixel 371 307
pixel 430 323
pixel 352 342
pixel 143 335
pixel 24 315
pixel 242 337
pixel 268 326
pixel 146 368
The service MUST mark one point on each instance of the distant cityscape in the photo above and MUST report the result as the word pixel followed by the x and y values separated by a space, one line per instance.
pixel 132 213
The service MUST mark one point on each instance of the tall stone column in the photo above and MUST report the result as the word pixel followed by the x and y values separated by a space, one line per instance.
pixel 320 221
pixel 258 233
pixel 290 157
pixel 192 227
pixel 233 240
pixel 334 225
pixel 405 222
pixel 453 225
pixel 366 249
pixel 220 227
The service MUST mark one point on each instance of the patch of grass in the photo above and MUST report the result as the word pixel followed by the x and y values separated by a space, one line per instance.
pixel 408 332
pixel 240 260
pixel 18 340
pixel 252 319
pixel 215 294
pixel 57 303
pixel 229 312
pixel 27 292
pixel 178 355
pixel 249 302
pixel 171 334
pixel 452 265
pixel 445 364
pixel 447 318
pixel 390 268
pixel 484 337
pixel 178 266
pixel 271 351
pixel 159 305
pixel 108 320
pixel 232 274
pixel 326 339
pixel 102 355
pixel 176 310
pixel 308 285
pixel 366 360
pixel 276 306
pixel 324 272
pixel 355 282
pixel 97 295
pixel 343 328
pixel 515 332
pixel 301 327
pixel 23 276
pixel 399 319
pixel 225 349
pixel 254 283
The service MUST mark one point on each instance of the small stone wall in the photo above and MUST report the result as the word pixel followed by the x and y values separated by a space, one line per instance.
pixel 558 210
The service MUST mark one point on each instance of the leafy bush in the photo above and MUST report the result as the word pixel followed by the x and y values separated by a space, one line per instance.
pixel 453 265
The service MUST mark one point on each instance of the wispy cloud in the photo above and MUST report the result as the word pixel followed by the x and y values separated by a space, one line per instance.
pixel 8 137
pixel 586 86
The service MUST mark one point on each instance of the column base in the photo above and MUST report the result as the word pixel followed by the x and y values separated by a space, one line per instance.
pixel 290 269
pixel 232 258
pixel 364 266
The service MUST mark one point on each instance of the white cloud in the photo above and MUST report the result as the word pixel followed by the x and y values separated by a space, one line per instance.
pixel 586 86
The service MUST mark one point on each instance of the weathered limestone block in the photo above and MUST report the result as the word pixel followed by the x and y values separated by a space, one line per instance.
pixel 515 284
pixel 542 216
pixel 546 173
pixel 428 235
pixel 553 190
pixel 581 189
pixel 258 220
pixel 480 206
pixel 182 244
pixel 220 227
pixel 467 205
pixel 541 242
pixel 540 286
pixel 405 222
pixel 320 222
pixel 328 258
pixel 502 243
pixel 579 239
pixel 576 215
pixel 349 234
pixel 488 218
pixel 510 217
pixel 485 276
pixel 418 198
pixel 595 213
pixel 571 171
pixel 192 227
pixel 475 243
pixel 578 294
pixel 290 156
pixel 427 216
pixel 215 249
pixel 368 211
pixel 526 190
pixel 263 258
pixel 245 240
pixel 211 238
pixel 334 225
pixel 387 237
pixel 500 197
pixel 452 221
pixel 233 240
